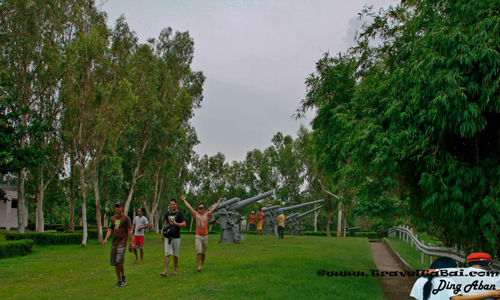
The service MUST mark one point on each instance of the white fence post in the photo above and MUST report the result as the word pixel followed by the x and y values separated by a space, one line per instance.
pixel 422 255
pixel 416 245
pixel 430 257
pixel 411 230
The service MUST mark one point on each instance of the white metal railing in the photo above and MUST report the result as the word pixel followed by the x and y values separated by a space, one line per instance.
pixel 407 235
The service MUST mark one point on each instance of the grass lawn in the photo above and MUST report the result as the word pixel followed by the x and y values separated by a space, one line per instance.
pixel 261 267
pixel 408 252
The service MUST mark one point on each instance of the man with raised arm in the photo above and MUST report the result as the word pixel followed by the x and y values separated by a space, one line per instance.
pixel 121 228
pixel 201 241
pixel 176 219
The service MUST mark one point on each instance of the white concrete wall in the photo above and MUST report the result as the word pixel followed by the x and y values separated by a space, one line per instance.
pixel 4 212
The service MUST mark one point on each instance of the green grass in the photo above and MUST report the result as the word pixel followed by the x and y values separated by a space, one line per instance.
pixel 408 252
pixel 261 267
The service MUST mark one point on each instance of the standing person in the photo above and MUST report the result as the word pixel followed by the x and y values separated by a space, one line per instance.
pixel 201 240
pixel 260 220
pixel 121 228
pixel 140 223
pixel 281 225
pixel 175 218
pixel 252 222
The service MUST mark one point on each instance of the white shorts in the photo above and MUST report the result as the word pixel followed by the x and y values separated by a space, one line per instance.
pixel 173 248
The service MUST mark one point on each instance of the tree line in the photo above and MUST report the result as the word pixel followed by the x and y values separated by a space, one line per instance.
pixel 88 112
pixel 408 120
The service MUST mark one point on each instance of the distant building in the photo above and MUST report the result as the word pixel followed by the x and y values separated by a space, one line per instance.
pixel 8 209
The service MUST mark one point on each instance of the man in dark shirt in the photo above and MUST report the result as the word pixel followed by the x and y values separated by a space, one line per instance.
pixel 172 245
pixel 121 227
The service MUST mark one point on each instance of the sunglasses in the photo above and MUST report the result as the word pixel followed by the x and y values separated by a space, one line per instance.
pixel 201 207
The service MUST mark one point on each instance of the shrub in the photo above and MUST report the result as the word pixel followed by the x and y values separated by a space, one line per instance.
pixel 78 227
pixel 32 226
pixel 21 247
pixel 42 238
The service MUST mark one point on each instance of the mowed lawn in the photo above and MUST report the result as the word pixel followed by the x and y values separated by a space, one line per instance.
pixel 262 267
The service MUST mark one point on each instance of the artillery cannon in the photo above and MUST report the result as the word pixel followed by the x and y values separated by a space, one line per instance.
pixel 296 228
pixel 229 217
pixel 270 215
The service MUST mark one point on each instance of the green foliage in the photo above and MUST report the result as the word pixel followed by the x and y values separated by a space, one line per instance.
pixel 409 125
pixel 42 238
pixel 12 248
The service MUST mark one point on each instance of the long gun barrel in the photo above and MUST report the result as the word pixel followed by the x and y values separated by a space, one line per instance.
pixel 249 201
pixel 299 205
pixel 292 215
pixel 226 203
pixel 307 212
pixel 264 209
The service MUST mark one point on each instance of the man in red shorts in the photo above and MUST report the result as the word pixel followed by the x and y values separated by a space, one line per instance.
pixel 140 223
pixel 201 241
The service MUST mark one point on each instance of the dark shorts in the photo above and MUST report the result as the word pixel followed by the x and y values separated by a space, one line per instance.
pixel 117 255
pixel 252 227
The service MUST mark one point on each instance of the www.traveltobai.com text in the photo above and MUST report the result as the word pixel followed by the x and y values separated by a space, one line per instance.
pixel 423 273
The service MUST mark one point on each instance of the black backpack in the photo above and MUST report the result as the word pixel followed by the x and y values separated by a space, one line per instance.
pixel 168 230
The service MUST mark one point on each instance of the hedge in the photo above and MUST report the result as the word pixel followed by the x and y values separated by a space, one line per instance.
pixel 370 235
pixel 32 226
pixel 42 238
pixel 91 233
pixel 22 247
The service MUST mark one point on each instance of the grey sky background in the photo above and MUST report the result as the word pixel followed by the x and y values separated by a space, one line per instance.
pixel 255 55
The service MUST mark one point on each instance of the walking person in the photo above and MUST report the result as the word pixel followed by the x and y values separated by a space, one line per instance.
pixel 140 223
pixel 172 245
pixel 121 228
pixel 281 225
pixel 201 240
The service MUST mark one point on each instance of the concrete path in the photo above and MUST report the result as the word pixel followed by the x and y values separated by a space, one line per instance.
pixel 395 287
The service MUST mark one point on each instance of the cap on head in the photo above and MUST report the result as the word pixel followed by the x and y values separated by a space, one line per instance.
pixel 478 257
pixel 119 203
pixel 253 212
pixel 281 211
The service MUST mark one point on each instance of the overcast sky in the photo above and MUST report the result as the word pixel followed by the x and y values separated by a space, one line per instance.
pixel 255 55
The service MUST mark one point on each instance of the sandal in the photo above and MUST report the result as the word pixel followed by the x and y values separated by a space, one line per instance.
pixel 164 274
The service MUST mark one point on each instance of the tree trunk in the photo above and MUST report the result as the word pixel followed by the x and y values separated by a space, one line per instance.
pixel 72 196
pixel 328 233
pixel 316 213
pixel 135 177
pixel 20 201
pixel 84 207
pixel 97 208
pixel 40 225
pixel 340 224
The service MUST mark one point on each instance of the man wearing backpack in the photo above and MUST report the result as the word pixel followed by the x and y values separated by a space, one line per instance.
pixel 201 217
pixel 172 244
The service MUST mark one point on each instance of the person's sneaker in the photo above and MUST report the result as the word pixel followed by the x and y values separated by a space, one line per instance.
pixel 124 280
pixel 119 284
